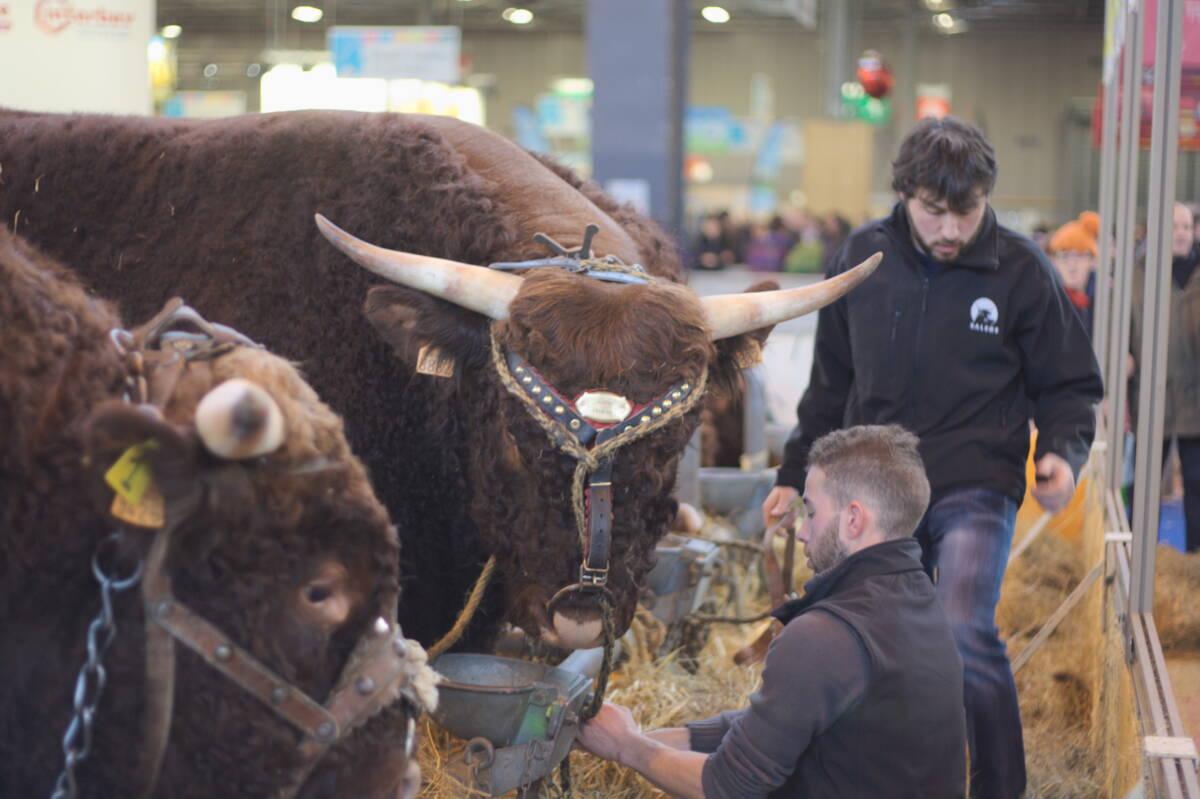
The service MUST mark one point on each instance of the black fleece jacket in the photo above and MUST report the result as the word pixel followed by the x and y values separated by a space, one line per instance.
pixel 963 355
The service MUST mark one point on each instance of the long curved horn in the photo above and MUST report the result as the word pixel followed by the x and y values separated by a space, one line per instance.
pixel 733 314
pixel 239 419
pixel 475 288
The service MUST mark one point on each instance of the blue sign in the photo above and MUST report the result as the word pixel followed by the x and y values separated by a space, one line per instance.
pixel 420 52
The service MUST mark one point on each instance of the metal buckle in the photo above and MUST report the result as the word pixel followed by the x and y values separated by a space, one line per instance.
pixel 592 578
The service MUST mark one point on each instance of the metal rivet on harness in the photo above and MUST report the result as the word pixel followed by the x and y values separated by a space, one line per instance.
pixel 536 389
pixel 546 400
pixel 278 695
pixel 163 609
pixel 526 379
pixel 657 411
pixel 381 626
pixel 326 731
pixel 223 652
pixel 559 409
pixel 676 394
pixel 364 685
pixel 574 424
pixel 400 646
pixel 667 403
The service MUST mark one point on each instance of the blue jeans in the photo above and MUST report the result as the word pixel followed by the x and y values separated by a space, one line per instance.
pixel 965 537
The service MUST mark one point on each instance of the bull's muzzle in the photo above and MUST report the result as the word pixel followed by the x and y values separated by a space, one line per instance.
pixel 576 616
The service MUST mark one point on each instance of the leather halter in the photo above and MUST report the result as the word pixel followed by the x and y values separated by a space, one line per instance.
pixel 375 676
pixel 596 526
pixel 561 419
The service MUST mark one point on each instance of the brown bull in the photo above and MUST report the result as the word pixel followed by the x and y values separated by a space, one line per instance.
pixel 276 542
pixel 221 212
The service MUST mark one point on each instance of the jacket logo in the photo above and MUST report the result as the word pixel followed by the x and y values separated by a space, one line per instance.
pixel 985 316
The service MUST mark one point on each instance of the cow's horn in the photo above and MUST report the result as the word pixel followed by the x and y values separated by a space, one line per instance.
pixel 733 314
pixel 475 288
pixel 238 420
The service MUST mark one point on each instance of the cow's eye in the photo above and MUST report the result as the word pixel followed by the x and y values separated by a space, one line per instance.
pixel 318 593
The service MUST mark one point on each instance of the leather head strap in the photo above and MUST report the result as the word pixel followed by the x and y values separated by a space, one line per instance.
pixel 375 676
pixel 593 445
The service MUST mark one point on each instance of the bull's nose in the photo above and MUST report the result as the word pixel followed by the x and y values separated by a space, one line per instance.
pixel 578 628
pixel 411 784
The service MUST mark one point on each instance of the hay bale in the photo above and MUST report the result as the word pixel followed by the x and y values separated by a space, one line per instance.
pixel 1176 589
pixel 1056 687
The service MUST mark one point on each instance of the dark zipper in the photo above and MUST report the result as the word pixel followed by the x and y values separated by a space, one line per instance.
pixel 916 354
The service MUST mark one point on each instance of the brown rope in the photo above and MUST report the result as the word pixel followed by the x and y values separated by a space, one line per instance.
pixel 468 612
pixel 606 667
pixel 708 618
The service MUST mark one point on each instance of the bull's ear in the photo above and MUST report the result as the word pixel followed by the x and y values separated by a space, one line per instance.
pixel 425 331
pixel 740 352
pixel 134 459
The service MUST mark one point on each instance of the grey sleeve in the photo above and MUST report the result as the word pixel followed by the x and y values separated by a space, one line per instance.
pixel 816 670
pixel 706 735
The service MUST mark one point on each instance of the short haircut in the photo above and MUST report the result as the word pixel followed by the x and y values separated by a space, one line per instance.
pixel 947 157
pixel 879 466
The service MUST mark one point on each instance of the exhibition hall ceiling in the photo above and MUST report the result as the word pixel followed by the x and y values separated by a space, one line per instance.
pixel 235 34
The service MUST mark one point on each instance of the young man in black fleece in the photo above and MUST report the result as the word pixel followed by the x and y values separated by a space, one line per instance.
pixel 962 335
pixel 861 694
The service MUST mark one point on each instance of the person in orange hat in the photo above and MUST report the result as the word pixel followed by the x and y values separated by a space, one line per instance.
pixel 1073 252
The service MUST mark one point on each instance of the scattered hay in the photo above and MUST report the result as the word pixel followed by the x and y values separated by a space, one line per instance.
pixel 1176 593
pixel 1058 688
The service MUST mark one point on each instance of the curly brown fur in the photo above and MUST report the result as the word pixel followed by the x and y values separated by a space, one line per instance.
pixel 221 212
pixel 659 254
pixel 252 536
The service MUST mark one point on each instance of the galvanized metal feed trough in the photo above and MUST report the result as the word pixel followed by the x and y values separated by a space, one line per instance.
pixel 519 718
pixel 679 582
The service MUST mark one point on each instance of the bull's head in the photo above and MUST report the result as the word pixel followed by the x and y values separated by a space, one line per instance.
pixel 278 541
pixel 531 351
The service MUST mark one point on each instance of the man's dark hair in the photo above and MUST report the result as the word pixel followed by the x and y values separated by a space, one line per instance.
pixel 948 158
pixel 878 465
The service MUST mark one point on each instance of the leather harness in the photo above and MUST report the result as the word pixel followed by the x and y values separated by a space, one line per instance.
pixel 375 676
pixel 573 433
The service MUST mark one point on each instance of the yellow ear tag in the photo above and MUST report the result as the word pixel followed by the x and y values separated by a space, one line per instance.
pixel 137 501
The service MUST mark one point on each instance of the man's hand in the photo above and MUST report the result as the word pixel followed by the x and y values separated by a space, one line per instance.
pixel 610 733
pixel 614 735
pixel 777 503
pixel 1055 482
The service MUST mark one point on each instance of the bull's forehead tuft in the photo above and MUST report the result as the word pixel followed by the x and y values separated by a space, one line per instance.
pixel 583 333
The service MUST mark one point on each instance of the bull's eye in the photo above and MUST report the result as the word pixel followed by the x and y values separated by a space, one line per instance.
pixel 318 593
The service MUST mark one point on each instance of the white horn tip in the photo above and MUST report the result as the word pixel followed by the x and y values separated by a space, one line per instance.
pixel 239 419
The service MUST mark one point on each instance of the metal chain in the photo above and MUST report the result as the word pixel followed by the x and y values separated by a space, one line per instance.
pixel 89 685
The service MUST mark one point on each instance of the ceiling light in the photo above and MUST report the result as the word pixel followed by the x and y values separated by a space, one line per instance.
pixel 715 14
pixel 517 16
pixel 172 31
pixel 936 5
pixel 307 14
pixel 943 21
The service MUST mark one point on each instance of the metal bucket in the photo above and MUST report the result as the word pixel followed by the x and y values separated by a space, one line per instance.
pixel 679 582
pixel 519 718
